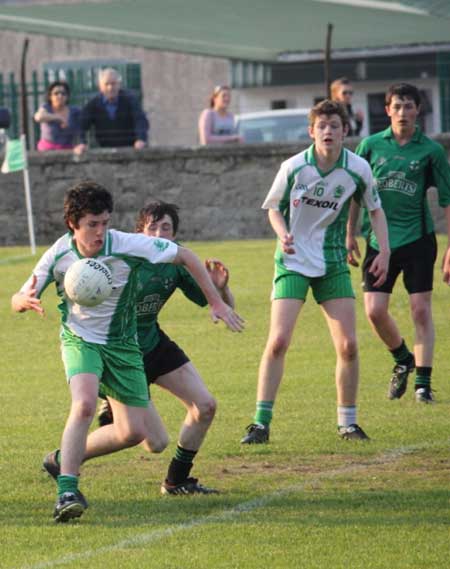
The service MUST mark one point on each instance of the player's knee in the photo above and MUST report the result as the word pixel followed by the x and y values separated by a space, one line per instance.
pixel 83 409
pixel 421 315
pixel 278 346
pixel 376 315
pixel 348 350
pixel 206 410
pixel 157 444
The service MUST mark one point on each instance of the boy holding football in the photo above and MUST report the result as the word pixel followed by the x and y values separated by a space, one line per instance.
pixel 308 207
pixel 165 363
pixel 99 347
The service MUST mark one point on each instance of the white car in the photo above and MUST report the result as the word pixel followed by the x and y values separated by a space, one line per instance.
pixel 286 125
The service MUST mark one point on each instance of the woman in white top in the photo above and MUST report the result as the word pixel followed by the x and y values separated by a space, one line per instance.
pixel 216 124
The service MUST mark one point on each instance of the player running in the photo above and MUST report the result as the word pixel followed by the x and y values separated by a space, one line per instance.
pixel 99 347
pixel 308 207
pixel 405 163
pixel 165 363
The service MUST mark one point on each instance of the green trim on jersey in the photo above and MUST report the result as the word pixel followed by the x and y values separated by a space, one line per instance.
pixel 341 162
pixel 123 323
pixel 403 175
pixel 315 207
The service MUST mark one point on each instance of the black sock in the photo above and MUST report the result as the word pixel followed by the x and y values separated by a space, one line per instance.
pixel 402 355
pixel 423 377
pixel 180 466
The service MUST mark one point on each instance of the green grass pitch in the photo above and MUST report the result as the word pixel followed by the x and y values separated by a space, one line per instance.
pixel 307 500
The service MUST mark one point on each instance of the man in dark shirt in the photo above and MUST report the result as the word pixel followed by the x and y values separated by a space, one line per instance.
pixel 115 114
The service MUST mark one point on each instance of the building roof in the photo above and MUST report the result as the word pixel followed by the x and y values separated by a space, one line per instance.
pixel 258 30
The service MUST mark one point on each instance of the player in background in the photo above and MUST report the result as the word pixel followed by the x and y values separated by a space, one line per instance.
pixel 165 363
pixel 405 163
pixel 99 347
pixel 308 207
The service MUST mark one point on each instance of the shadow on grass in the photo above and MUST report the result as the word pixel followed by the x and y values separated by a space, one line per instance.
pixel 297 507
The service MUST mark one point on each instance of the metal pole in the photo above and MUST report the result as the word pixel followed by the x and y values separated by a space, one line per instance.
pixel 327 62
pixel 23 90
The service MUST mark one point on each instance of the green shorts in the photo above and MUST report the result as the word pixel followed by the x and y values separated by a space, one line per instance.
pixel 118 366
pixel 335 284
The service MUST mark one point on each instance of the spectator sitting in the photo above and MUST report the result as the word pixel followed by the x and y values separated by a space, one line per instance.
pixel 115 114
pixel 342 92
pixel 216 124
pixel 59 121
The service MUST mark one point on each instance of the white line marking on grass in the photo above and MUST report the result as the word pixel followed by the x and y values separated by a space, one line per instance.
pixel 387 457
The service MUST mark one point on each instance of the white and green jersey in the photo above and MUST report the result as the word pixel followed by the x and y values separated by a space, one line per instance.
pixel 114 319
pixel 315 207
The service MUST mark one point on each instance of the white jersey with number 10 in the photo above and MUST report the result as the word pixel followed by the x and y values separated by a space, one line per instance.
pixel 315 207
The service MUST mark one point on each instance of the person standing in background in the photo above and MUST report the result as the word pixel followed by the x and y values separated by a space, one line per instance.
pixel 115 115
pixel 216 124
pixel 405 163
pixel 59 121
pixel 342 92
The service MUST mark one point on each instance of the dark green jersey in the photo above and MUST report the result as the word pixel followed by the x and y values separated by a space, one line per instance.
pixel 403 175
pixel 156 285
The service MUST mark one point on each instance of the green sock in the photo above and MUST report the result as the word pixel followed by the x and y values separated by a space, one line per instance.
pixel 67 483
pixel 423 377
pixel 263 415
pixel 402 355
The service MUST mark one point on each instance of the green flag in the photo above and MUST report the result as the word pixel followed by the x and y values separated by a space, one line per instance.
pixel 15 156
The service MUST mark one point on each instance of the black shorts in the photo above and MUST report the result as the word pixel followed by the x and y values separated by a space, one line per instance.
pixel 164 358
pixel 415 259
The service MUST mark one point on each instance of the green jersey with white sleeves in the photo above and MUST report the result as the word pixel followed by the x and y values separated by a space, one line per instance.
pixel 114 319
pixel 403 175
pixel 315 207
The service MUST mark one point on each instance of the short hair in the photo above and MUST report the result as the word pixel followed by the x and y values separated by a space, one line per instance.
pixel 217 89
pixel 404 91
pixel 337 84
pixel 109 71
pixel 328 108
pixel 83 198
pixel 157 210
pixel 54 84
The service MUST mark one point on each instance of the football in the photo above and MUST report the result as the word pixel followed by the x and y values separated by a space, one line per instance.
pixel 88 282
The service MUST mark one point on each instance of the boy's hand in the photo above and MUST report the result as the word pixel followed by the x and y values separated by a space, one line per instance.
pixel 27 300
pixel 222 311
pixel 379 268
pixel 218 272
pixel 287 244
pixel 353 252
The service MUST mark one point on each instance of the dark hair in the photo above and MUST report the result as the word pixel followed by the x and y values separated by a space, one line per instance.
pixel 157 210
pixel 216 91
pixel 337 83
pixel 404 91
pixel 328 108
pixel 54 84
pixel 86 197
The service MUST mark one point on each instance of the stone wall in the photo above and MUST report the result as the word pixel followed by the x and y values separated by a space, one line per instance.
pixel 219 190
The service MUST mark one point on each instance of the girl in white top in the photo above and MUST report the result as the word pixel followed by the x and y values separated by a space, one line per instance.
pixel 216 124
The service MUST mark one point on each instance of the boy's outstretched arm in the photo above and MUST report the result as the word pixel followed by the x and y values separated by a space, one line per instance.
pixel 219 309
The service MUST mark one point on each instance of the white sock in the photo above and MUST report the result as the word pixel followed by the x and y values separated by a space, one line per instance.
pixel 346 415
